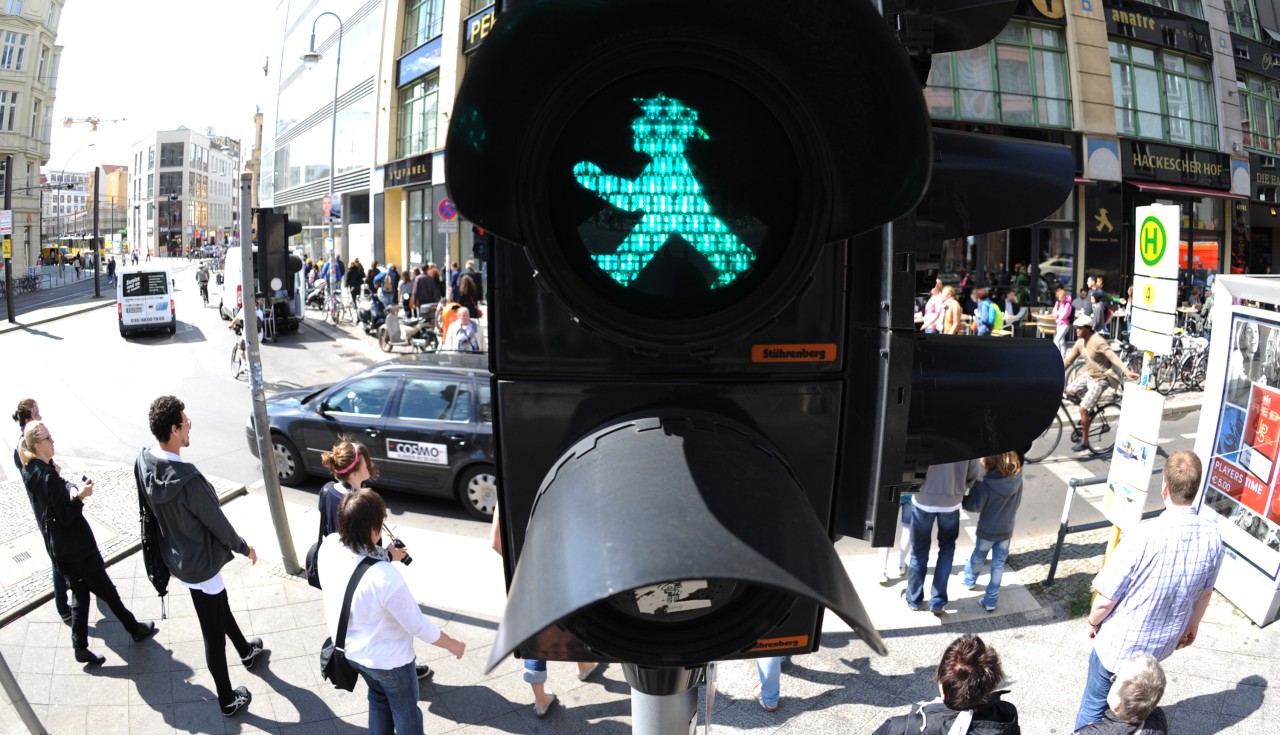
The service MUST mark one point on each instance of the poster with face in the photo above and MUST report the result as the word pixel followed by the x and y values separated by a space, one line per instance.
pixel 1242 478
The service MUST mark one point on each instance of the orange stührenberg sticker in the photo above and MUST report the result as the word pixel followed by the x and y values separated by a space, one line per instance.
pixel 769 644
pixel 793 353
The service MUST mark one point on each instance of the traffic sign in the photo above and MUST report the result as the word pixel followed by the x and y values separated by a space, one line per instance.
pixel 6 221
pixel 446 209
pixel 1155 280
pixel 8 248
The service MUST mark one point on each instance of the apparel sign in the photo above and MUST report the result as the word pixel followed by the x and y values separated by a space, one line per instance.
pixel 1155 283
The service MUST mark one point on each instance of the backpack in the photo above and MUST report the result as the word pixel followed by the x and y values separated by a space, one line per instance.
pixel 152 541
pixel 997 321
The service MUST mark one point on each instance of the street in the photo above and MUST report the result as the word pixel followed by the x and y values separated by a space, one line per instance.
pixel 94 389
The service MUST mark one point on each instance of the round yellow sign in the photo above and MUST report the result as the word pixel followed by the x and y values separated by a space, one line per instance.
pixel 1148 294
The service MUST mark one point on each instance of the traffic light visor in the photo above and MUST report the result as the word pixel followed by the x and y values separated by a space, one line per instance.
pixel 671 541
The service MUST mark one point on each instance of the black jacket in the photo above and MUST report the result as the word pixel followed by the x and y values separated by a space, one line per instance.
pixel 935 718
pixel 199 538
pixel 67 535
pixel 1155 724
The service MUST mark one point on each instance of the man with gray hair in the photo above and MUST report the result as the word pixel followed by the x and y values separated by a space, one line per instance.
pixel 1155 586
pixel 1132 702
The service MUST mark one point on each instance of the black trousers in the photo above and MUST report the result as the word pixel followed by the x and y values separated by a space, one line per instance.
pixel 85 576
pixel 217 624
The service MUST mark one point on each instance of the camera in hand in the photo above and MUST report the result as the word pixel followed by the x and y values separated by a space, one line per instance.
pixel 406 560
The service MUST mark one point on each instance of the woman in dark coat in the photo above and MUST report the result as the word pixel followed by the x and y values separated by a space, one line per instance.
pixel 466 296
pixel 59 509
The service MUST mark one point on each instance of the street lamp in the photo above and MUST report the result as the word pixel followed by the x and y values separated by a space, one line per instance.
pixel 309 60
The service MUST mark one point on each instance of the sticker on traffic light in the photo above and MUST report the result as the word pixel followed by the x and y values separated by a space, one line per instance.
pixel 670 197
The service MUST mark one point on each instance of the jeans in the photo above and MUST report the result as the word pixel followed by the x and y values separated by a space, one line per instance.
pixel 90 576
pixel 535 672
pixel 393 699
pixel 60 593
pixel 999 551
pixel 921 527
pixel 217 624
pixel 770 679
pixel 1096 688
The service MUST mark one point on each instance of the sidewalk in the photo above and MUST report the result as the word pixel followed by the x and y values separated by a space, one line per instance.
pixel 1220 685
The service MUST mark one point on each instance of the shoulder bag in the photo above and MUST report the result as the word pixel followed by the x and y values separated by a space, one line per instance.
pixel 333 656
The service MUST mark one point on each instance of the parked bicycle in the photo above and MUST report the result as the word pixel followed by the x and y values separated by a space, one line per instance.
pixel 1104 423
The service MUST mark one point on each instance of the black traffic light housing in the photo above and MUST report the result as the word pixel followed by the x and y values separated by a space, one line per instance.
pixel 670 200
pixel 938 398
pixel 276 265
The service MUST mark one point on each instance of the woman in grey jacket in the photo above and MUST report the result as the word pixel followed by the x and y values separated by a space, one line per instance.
pixel 995 500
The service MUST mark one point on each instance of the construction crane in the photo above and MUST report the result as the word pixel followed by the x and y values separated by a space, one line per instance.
pixel 94 121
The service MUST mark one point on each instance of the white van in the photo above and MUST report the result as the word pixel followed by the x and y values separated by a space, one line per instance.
pixel 288 309
pixel 144 301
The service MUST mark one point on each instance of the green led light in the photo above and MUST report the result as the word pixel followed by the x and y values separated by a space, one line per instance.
pixel 669 195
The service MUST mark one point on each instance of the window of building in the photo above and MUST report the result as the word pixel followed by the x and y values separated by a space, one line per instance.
pixel 13 50
pixel 419 116
pixel 8 109
pixel 1020 78
pixel 49 16
pixel 1162 95
pixel 423 21
pixel 151 159
pixel 13 7
pixel 170 155
pixel 1242 20
pixel 35 120
pixel 1259 111
pixel 478 5
pixel 170 183
pixel 44 59
pixel 1193 8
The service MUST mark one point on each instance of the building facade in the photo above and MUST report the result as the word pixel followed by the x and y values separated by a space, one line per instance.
pixel 28 84
pixel 181 192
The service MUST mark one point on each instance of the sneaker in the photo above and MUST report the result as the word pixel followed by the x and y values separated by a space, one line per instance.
pixel 970 585
pixel 255 648
pixel 541 712
pixel 885 580
pixel 1080 447
pixel 988 608
pixel 423 671
pixel 910 605
pixel 145 630
pixel 239 702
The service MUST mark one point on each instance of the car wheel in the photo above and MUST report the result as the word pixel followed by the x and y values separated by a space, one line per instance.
pixel 222 312
pixel 478 491
pixel 173 329
pixel 288 461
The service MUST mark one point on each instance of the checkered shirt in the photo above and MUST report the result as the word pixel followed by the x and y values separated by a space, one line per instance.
pixel 1155 576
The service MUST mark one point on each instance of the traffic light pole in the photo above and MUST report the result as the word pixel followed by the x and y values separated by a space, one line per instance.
pixel 253 355
pixel 97 252
pixel 8 259
pixel 669 713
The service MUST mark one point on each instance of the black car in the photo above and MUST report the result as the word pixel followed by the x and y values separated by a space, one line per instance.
pixel 426 420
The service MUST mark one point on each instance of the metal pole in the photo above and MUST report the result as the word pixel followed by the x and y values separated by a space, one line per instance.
pixel 19 700
pixel 333 134
pixel 664 701
pixel 97 254
pixel 8 260
pixel 270 477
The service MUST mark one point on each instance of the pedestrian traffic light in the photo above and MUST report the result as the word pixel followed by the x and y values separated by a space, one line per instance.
pixel 276 265
pixel 937 398
pixel 672 198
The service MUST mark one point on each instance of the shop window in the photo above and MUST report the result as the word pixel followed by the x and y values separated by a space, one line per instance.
pixel 1259 111
pixel 1192 8
pixel 419 116
pixel 1242 20
pixel 419 227
pixel 1020 78
pixel 1161 95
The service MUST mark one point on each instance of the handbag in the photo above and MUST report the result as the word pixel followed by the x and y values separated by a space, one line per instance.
pixel 333 657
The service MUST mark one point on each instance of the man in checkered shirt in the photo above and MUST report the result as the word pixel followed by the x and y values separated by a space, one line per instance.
pixel 1154 589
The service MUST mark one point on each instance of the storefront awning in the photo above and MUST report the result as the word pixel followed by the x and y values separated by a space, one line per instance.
pixel 1274 36
pixel 1186 190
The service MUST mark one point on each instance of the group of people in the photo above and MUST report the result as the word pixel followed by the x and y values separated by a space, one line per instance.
pixel 1152 593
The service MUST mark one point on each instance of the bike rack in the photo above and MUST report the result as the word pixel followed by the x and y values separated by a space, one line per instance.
pixel 1064 528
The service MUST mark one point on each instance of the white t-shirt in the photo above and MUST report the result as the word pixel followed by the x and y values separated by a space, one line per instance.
pixel 385 617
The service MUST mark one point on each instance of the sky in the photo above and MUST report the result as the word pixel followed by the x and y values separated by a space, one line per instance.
pixel 156 65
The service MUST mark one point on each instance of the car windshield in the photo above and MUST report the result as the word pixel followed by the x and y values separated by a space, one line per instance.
pixel 365 397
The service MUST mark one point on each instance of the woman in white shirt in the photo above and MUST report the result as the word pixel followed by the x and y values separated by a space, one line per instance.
pixel 384 617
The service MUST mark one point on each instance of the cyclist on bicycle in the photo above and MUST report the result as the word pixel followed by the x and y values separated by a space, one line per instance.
pixel 238 321
pixel 1098 359
pixel 202 278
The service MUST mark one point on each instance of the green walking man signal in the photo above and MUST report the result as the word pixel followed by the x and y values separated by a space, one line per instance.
pixel 670 196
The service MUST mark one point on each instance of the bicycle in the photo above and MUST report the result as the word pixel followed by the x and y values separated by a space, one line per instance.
pixel 1104 423
pixel 335 308
pixel 237 360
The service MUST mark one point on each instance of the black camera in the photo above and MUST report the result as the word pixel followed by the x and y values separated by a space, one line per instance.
pixel 407 560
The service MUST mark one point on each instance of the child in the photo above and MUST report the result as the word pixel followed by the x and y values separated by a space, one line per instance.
pixel 888 573
pixel 995 499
